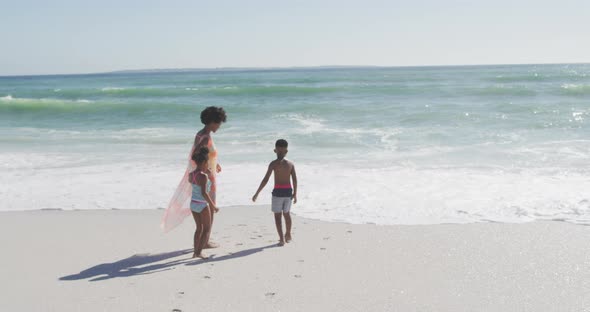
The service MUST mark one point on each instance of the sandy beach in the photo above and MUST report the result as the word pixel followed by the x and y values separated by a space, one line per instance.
pixel 438 154
pixel 119 260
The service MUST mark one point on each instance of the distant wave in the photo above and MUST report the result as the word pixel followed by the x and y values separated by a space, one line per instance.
pixel 10 104
pixel 532 77
pixel 267 90
pixel 502 90
pixel 575 89
pixel 152 136
pixel 233 90
pixel 540 75
pixel 9 101
pixel 107 89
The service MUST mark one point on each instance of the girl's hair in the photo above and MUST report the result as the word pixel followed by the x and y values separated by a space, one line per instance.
pixel 201 155
pixel 213 114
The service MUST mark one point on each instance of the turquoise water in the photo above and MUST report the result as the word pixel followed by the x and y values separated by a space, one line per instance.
pixel 382 145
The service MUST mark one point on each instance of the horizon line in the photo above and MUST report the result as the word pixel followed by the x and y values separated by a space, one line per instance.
pixel 269 68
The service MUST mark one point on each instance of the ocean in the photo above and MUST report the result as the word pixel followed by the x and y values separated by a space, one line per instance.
pixel 399 145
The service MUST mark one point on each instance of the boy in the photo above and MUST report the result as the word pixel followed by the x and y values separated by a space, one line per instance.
pixel 283 193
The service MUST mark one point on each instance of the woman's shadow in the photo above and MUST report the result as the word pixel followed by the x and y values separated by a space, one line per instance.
pixel 141 264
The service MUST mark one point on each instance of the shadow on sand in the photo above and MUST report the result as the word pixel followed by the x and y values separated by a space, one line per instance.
pixel 239 254
pixel 130 266
pixel 141 264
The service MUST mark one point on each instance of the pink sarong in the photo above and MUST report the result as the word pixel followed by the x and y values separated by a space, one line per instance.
pixel 179 206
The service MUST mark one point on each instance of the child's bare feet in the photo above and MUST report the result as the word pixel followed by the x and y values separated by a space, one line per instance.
pixel 281 243
pixel 288 237
pixel 211 245
pixel 201 255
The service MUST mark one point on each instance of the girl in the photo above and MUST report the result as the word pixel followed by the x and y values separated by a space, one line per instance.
pixel 202 206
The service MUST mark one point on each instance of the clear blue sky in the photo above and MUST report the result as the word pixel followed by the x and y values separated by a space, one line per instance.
pixel 61 36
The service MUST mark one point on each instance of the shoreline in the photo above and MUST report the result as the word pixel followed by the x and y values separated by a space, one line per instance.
pixel 259 206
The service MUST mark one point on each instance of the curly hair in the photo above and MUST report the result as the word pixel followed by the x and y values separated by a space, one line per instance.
pixel 213 114
pixel 201 155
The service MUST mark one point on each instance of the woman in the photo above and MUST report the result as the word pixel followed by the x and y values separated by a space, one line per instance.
pixel 212 117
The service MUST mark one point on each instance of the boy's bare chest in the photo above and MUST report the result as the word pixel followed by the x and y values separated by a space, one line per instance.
pixel 282 167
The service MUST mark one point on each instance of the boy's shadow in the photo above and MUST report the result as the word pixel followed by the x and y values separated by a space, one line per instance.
pixel 133 265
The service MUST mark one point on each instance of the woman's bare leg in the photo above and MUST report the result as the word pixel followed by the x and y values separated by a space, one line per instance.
pixel 213 196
